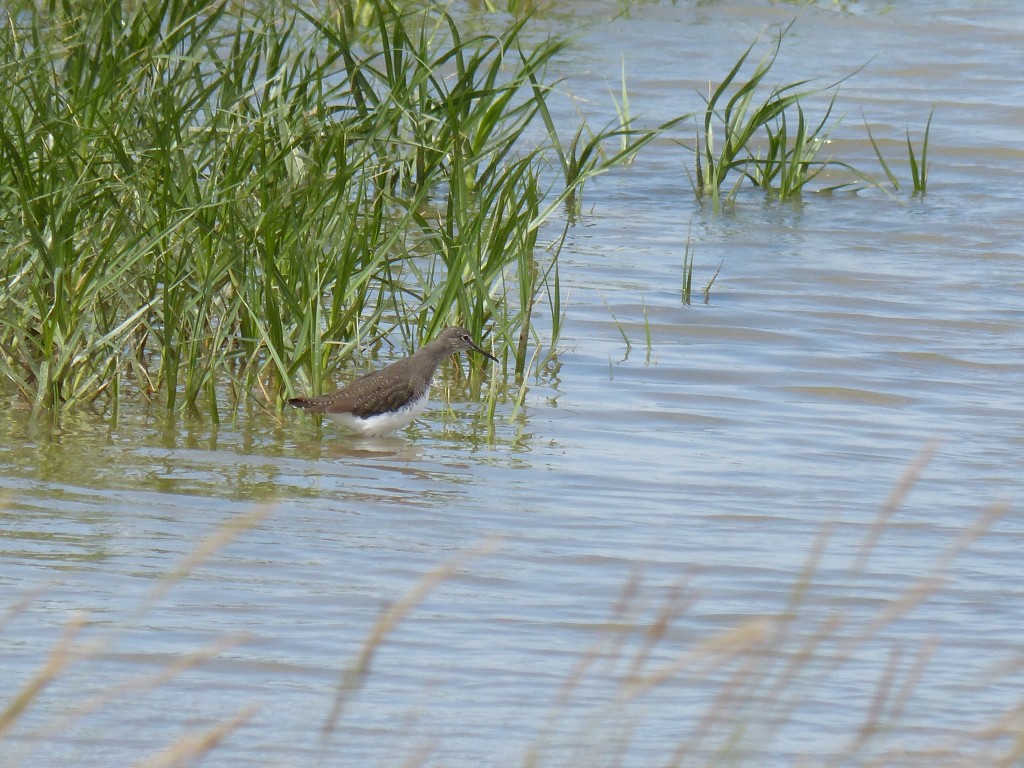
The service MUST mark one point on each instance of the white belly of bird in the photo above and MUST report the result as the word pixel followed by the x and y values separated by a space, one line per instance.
pixel 383 423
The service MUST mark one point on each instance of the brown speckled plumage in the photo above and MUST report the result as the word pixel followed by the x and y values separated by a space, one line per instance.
pixel 398 387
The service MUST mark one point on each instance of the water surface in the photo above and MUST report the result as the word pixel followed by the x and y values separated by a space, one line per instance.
pixel 691 478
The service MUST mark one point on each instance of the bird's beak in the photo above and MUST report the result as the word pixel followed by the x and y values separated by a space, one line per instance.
pixel 486 354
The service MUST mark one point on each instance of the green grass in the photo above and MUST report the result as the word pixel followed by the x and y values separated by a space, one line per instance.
pixel 212 202
pixel 762 136
pixel 918 168
pixel 687 288
pixel 209 202
pixel 748 137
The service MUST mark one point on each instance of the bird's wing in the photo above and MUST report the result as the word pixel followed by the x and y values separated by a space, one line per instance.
pixel 374 400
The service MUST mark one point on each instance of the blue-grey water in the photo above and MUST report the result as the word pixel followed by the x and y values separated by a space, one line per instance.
pixel 786 530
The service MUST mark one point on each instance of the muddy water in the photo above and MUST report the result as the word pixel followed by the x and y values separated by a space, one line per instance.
pixel 729 473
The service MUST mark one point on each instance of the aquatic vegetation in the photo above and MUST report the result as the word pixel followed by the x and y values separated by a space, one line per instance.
pixel 711 282
pixel 687 287
pixel 736 125
pixel 918 169
pixel 747 137
pixel 211 201
pixel 791 161
pixel 686 290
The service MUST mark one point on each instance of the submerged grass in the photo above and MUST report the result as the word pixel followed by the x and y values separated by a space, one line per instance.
pixel 208 200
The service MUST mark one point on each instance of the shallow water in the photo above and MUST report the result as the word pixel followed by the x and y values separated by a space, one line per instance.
pixel 846 336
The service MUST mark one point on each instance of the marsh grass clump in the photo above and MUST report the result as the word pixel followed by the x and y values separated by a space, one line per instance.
pixel 749 137
pixel 763 136
pixel 208 200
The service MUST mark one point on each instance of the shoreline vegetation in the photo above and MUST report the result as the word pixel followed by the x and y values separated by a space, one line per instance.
pixel 208 202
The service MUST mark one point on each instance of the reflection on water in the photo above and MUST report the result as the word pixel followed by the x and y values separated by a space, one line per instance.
pixel 697 553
